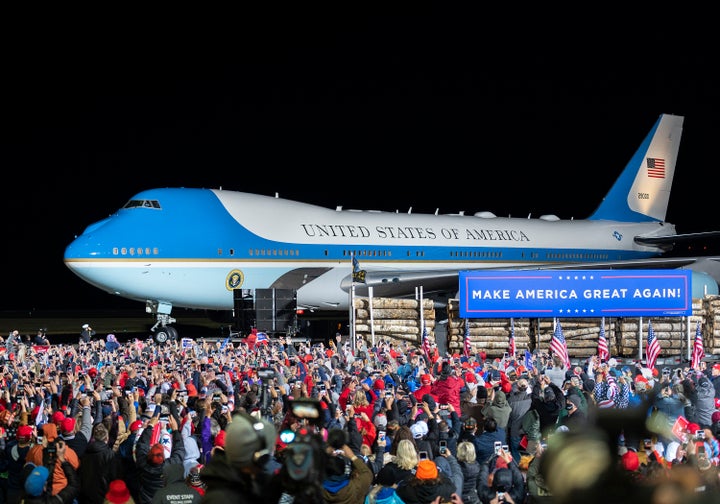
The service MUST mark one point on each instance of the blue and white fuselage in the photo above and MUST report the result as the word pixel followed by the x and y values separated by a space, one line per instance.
pixel 191 248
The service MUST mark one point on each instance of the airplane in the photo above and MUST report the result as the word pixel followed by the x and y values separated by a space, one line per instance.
pixel 191 247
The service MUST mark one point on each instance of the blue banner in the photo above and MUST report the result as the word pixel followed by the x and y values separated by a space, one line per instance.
pixel 575 293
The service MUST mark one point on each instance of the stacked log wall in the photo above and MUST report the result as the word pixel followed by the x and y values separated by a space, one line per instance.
pixel 399 320
pixel 395 320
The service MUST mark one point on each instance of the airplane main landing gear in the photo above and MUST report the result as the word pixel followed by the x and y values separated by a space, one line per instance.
pixel 165 334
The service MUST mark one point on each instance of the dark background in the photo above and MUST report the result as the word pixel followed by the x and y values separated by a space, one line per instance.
pixel 423 109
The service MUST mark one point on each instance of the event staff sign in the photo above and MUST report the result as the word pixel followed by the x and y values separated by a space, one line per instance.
pixel 575 293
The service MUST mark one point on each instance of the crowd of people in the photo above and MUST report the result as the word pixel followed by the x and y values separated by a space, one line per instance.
pixel 293 423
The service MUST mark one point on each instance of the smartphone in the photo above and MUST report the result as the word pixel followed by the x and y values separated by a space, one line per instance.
pixel 506 448
pixel 443 446
pixel 423 455
pixel 381 435
pixel 498 447
pixel 700 434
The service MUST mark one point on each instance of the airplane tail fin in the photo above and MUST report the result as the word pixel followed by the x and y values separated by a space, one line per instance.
pixel 642 192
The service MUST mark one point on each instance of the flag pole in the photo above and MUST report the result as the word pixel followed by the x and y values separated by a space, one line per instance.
pixel 640 339
pixel 352 307
pixel 689 350
pixel 372 317
pixel 419 297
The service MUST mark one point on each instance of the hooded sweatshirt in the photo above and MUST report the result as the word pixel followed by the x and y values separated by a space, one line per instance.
pixel 499 409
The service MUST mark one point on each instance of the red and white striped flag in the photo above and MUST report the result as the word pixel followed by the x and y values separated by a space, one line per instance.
pixel 559 345
pixel 426 343
pixel 653 348
pixel 603 352
pixel 698 349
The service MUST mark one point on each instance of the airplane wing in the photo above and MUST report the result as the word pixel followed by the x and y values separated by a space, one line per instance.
pixel 402 283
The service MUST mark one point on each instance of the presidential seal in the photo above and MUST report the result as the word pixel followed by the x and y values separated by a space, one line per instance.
pixel 234 280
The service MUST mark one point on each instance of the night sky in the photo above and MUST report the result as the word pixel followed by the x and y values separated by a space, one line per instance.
pixel 386 112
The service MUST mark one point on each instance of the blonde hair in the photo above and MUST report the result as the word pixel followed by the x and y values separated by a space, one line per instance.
pixel 406 456
pixel 360 398
pixel 466 452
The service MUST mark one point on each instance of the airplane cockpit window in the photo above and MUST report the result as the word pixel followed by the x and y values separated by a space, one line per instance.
pixel 142 203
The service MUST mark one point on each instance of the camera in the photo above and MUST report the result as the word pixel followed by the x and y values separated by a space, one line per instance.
pixel 498 447
pixel 266 373
pixel 443 446
pixel 501 496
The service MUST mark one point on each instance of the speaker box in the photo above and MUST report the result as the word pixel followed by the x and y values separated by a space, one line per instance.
pixel 275 309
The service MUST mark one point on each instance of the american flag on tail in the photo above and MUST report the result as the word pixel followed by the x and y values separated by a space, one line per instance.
pixel 603 353
pixel 698 351
pixel 558 345
pixel 653 348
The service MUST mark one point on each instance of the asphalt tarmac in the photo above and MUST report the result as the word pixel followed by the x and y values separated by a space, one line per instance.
pixel 65 327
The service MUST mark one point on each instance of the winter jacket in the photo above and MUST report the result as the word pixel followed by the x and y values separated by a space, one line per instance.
pixel 499 409
pixel 65 496
pixel 226 485
pixel 98 467
pixel 471 482
pixel 416 491
pixel 175 490
pixel 355 490
pixel 447 391
pixel 151 475
pixel 519 401
pixel 35 455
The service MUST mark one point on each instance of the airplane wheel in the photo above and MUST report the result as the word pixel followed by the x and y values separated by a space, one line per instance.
pixel 172 332
pixel 162 335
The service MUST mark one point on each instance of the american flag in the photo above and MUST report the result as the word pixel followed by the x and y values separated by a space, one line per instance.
pixel 559 345
pixel 467 347
pixel 653 348
pixel 655 167
pixel 425 343
pixel 698 349
pixel 262 338
pixel 603 353
pixel 511 344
